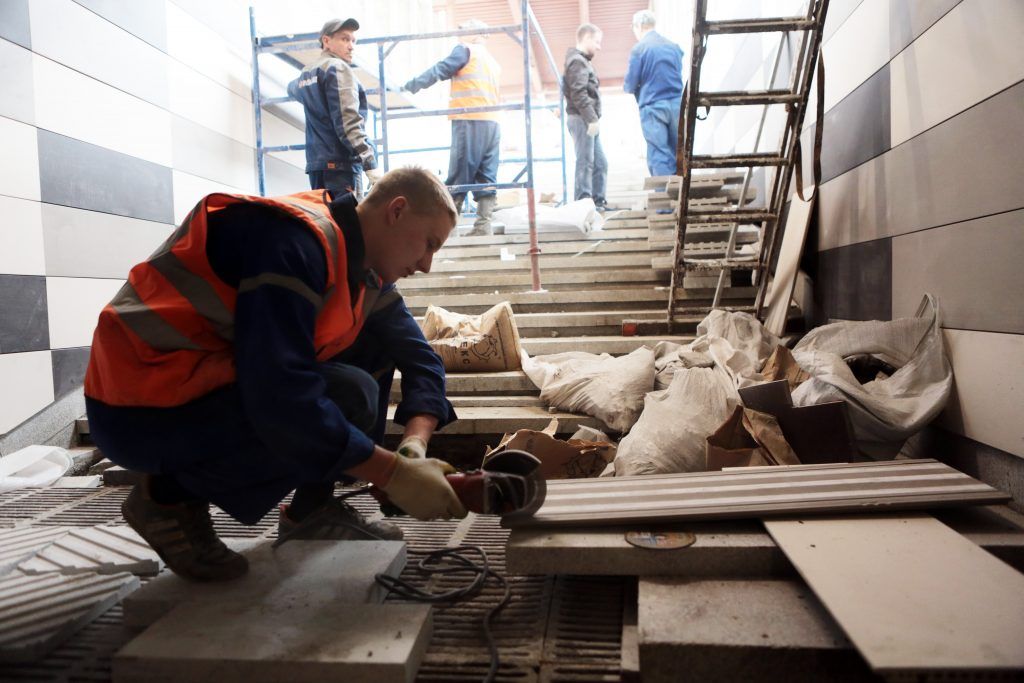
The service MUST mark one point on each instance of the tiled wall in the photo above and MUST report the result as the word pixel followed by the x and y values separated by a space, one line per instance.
pixel 115 118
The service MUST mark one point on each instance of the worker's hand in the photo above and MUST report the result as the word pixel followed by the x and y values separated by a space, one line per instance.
pixel 419 488
pixel 593 129
pixel 412 447
pixel 373 174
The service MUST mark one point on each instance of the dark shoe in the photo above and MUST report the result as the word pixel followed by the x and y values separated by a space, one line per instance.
pixel 183 537
pixel 335 520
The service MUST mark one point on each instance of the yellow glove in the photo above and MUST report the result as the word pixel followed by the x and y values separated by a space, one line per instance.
pixel 419 487
pixel 412 447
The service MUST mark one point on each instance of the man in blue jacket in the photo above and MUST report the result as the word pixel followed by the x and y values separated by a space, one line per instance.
pixel 655 77
pixel 337 148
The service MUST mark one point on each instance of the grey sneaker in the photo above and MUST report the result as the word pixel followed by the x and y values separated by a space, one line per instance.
pixel 183 537
pixel 335 520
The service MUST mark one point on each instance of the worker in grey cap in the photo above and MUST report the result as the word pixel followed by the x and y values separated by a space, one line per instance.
pixel 338 150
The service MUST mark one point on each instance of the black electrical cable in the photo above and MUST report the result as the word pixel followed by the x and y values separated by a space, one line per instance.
pixel 433 564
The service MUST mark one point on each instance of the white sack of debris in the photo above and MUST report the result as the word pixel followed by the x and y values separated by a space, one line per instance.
pixel 487 342
pixel 886 411
pixel 579 215
pixel 611 389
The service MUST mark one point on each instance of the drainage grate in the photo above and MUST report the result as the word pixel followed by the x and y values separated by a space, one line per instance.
pixel 102 508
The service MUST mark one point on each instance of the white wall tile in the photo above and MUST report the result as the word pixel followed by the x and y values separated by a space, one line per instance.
pixel 16 77
pixel 71 35
pixel 973 52
pixel 80 107
pixel 860 48
pixel 26 387
pixel 92 244
pixel 74 306
pixel 189 189
pixel 19 162
pixel 200 47
pixel 230 18
pixel 209 104
pixel 989 388
pixel 277 131
pixel 21 237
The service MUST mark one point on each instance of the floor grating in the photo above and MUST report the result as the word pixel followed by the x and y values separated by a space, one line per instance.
pixel 555 629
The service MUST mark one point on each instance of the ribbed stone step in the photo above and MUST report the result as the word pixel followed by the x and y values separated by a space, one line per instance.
pixel 582 247
pixel 508 383
pixel 524 238
pixel 615 345
pixel 484 420
pixel 547 262
pixel 552 279
pixel 484 401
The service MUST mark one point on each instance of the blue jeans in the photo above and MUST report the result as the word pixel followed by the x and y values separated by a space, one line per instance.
pixel 660 124
pixel 338 181
pixel 210 448
pixel 591 163
pixel 474 155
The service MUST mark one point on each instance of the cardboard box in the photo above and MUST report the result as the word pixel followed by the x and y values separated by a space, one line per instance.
pixel 572 459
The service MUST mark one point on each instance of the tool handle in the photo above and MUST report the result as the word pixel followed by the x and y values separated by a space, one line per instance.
pixel 469 487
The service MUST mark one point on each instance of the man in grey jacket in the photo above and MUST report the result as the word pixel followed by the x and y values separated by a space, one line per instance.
pixel 583 106
pixel 337 148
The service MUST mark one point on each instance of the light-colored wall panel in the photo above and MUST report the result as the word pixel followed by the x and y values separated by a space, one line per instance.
pixel 967 167
pixel 74 306
pixel 195 44
pixel 988 394
pixel 973 52
pixel 230 18
pixel 83 108
pixel 19 161
pixel 210 104
pixel 92 244
pixel 21 237
pixel 189 189
pixel 972 267
pixel 142 18
pixel 207 154
pixel 858 49
pixel 16 76
pixel 76 37
pixel 277 131
pixel 27 381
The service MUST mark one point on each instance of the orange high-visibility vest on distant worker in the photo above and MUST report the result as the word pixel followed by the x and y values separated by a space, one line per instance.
pixel 167 336
pixel 476 85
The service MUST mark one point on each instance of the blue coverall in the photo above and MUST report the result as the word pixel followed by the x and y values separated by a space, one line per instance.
pixel 655 77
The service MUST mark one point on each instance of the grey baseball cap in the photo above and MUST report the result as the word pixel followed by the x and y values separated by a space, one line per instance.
pixel 335 25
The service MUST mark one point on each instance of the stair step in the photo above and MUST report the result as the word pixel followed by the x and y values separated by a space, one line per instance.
pixel 614 345
pixel 736 160
pixel 552 278
pixel 483 401
pixel 596 245
pixel 487 420
pixel 509 383
pixel 760 25
pixel 524 238
pixel 740 216
pixel 746 98
pixel 586 261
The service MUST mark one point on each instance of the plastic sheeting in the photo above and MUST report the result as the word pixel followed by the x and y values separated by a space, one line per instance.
pixel 581 215
pixel 33 466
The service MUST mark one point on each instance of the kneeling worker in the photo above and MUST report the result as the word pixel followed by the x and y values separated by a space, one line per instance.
pixel 252 355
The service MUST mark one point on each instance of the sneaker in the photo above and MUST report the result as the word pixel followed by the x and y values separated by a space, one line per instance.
pixel 335 520
pixel 183 536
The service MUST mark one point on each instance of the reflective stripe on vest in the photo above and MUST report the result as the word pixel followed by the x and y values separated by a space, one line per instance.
pixel 476 85
pixel 167 336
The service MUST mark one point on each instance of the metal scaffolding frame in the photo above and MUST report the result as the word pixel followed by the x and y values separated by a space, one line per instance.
pixel 281 46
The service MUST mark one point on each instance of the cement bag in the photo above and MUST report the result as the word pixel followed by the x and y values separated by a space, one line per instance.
pixel 888 410
pixel 33 466
pixel 671 433
pixel 611 389
pixel 669 357
pixel 474 343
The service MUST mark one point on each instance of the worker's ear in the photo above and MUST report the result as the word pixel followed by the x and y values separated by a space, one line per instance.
pixel 397 207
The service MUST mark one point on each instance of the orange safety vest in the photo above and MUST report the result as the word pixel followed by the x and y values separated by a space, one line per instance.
pixel 167 336
pixel 476 85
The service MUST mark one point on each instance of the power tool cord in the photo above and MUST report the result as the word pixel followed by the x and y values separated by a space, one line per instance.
pixel 433 564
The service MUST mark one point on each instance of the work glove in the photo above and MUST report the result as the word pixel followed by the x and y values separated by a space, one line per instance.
pixel 419 487
pixel 373 174
pixel 593 129
pixel 412 447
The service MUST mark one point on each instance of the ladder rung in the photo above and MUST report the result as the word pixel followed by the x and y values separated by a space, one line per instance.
pixel 741 216
pixel 736 160
pixel 759 25
pixel 735 98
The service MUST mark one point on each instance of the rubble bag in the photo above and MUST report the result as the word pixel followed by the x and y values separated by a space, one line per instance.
pixel 887 410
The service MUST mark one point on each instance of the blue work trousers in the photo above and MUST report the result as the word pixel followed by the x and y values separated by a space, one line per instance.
pixel 211 450
pixel 591 163
pixel 660 123
pixel 338 181
pixel 474 156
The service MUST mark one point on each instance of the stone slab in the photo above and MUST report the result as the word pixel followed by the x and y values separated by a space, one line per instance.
pixel 298 640
pixel 313 571
pixel 119 476
pixel 18 545
pixel 740 630
pixel 87 481
pixel 99 549
pixel 38 613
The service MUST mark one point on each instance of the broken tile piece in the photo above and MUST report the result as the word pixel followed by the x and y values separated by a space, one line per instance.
pixel 100 549
pixel 38 613
pixel 279 640
pixel 18 545
pixel 88 481
pixel 309 571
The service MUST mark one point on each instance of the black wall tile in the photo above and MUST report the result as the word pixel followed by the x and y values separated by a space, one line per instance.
pixel 24 325
pixel 854 282
pixel 68 369
pixel 14 23
pixel 85 176
pixel 146 19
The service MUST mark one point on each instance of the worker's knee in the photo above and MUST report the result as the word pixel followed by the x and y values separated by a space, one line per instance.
pixel 355 392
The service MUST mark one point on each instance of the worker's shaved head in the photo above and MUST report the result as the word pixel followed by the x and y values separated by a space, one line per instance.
pixel 426 193
pixel 586 30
